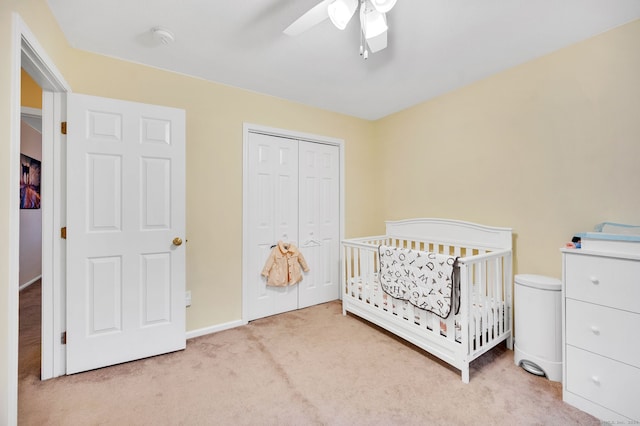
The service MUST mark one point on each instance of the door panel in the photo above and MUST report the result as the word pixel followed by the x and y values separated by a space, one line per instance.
pixel 273 187
pixel 104 202
pixel 156 289
pixel 155 194
pixel 125 204
pixel 319 222
pixel 104 287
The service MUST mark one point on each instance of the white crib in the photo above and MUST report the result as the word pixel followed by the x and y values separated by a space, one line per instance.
pixel 484 318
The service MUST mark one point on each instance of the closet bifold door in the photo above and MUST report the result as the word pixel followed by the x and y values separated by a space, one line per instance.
pixel 273 216
pixel 294 196
pixel 319 227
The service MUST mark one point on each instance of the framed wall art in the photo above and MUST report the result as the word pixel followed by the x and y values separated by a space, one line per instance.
pixel 29 182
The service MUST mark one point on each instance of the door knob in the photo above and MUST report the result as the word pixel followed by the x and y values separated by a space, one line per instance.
pixel 177 241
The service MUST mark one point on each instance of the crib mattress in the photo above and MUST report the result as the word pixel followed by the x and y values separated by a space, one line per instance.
pixel 389 302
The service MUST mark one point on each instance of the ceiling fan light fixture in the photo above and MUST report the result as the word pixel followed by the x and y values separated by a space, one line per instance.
pixel 377 43
pixel 373 22
pixel 341 11
pixel 383 6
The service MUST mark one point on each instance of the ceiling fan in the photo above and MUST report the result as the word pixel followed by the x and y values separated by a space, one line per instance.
pixel 373 21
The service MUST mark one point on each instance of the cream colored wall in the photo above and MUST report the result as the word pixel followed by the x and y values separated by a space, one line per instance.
pixel 215 117
pixel 549 148
pixel 30 92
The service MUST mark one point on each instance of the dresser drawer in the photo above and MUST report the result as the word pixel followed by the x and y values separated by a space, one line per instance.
pixel 605 331
pixel 606 382
pixel 603 280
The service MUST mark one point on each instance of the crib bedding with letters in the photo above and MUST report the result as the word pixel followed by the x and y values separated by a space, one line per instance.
pixel 457 307
pixel 423 279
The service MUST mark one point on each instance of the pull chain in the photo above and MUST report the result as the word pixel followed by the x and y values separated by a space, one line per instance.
pixel 364 51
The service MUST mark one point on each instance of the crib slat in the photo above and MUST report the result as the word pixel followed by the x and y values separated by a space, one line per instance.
pixel 349 276
pixel 480 305
pixel 422 315
pixel 450 326
pixel 486 302
pixel 466 280
pixel 496 295
pixel 368 274
pixel 434 322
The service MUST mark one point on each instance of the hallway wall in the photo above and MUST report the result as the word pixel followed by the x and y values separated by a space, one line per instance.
pixel 30 219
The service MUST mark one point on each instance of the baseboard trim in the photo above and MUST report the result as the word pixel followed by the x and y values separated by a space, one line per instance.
pixel 214 329
pixel 28 283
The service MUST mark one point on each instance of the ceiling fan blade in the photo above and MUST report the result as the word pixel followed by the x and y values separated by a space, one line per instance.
pixel 313 17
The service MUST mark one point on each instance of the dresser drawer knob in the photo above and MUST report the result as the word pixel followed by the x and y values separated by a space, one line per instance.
pixel 595 280
pixel 595 330
pixel 595 380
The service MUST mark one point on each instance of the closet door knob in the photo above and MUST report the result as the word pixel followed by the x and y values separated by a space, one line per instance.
pixel 595 330
pixel 595 380
pixel 177 241
pixel 595 280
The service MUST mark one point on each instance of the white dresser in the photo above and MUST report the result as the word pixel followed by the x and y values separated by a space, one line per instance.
pixel 601 333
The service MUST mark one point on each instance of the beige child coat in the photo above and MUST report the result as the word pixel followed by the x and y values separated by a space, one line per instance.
pixel 283 265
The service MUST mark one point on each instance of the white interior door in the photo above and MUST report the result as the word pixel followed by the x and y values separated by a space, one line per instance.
pixel 292 195
pixel 125 206
pixel 319 222
pixel 273 216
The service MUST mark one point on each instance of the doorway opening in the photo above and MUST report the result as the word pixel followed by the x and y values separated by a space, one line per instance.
pixel 28 55
pixel 30 254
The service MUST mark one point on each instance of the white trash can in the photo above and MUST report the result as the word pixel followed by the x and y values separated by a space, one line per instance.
pixel 538 325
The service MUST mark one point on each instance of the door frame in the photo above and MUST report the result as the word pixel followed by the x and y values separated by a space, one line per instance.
pixel 29 54
pixel 289 134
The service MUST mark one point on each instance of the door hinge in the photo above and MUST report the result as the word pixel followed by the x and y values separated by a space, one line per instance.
pixel 63 233
pixel 63 338
pixel 63 127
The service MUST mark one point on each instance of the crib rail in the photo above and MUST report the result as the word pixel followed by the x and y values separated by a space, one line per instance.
pixel 484 317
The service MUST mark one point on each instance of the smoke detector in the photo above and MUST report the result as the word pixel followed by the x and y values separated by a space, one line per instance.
pixel 163 35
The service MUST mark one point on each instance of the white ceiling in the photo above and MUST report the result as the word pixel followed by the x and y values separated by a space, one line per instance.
pixel 434 46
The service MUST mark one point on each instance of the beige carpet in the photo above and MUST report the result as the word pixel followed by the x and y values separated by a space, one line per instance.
pixel 312 366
